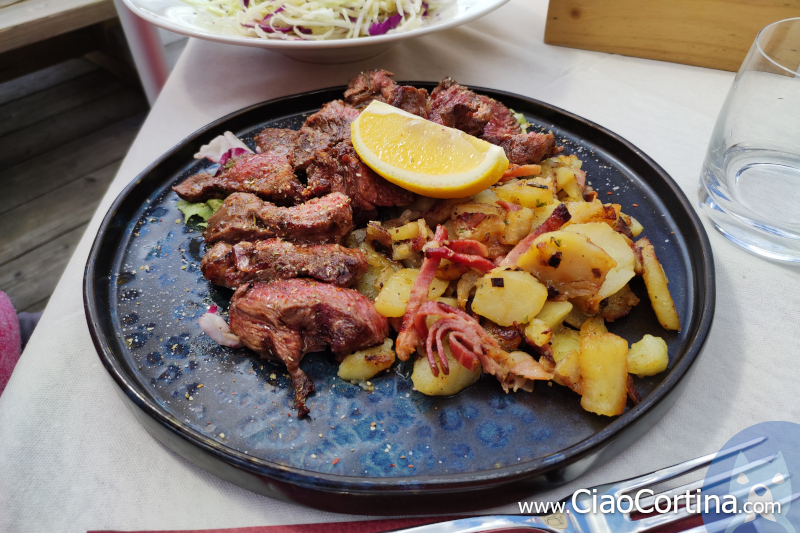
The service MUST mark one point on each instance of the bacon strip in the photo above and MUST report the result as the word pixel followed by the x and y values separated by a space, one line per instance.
pixel 557 218
pixel 467 246
pixel 508 206
pixel 472 261
pixel 517 171
pixel 408 339
pixel 470 344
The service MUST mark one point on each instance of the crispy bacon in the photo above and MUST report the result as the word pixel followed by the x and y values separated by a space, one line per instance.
pixel 472 261
pixel 467 246
pixel 633 394
pixel 508 206
pixel 518 171
pixel 470 344
pixel 408 339
pixel 557 218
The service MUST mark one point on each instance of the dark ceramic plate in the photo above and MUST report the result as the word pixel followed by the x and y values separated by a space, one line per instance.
pixel 393 450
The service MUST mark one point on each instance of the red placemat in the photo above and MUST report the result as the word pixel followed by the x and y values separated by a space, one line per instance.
pixel 377 526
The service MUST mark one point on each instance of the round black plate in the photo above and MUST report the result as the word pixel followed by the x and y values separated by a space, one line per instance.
pixel 377 453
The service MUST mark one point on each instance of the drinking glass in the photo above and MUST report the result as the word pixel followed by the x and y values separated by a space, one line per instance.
pixel 750 182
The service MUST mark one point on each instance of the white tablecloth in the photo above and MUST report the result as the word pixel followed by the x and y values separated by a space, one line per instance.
pixel 73 458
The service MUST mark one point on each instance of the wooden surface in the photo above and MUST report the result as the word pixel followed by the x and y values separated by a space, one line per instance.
pixel 63 133
pixel 31 21
pixel 707 33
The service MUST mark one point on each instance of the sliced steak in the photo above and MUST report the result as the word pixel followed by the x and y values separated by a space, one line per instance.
pixel 286 319
pixel 455 106
pixel 379 85
pixel 245 217
pixel 526 148
pixel 277 141
pixel 234 265
pixel 268 175
pixel 308 142
pixel 333 119
pixel 340 170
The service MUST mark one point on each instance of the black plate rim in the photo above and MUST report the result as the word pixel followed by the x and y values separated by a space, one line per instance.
pixel 704 288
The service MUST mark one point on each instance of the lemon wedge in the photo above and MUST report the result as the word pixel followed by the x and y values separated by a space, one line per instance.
pixel 425 157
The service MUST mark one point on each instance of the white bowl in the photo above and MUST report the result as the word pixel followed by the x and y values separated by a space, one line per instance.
pixel 178 17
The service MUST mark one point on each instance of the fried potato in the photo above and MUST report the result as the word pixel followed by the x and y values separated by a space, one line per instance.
pixel 594 211
pixel 594 325
pixel 538 333
pixel 564 341
pixel 604 373
pixel 568 262
pixel 457 380
pixel 575 318
pixel 506 297
pixel 393 298
pixel 518 226
pixel 566 181
pixel 619 304
pixel 486 196
pixel 405 232
pixel 554 313
pixel 615 246
pixel 648 357
pixel 477 221
pixel 364 364
pixel 525 193
pixel 656 282
pixel 568 371
pixel 379 270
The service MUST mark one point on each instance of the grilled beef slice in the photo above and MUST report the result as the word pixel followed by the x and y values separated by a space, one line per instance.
pixel 379 85
pixel 284 320
pixel 234 265
pixel 340 170
pixel 458 107
pixel 268 175
pixel 333 119
pixel 245 217
pixel 526 148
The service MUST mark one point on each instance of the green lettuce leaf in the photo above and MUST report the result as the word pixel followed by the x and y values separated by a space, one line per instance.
pixel 203 210
pixel 521 120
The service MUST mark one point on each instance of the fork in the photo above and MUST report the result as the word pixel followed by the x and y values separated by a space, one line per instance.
pixel 573 521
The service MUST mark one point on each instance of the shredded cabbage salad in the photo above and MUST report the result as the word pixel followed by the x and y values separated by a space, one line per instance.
pixel 315 20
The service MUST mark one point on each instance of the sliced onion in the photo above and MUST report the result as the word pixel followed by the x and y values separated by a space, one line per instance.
pixel 221 146
pixel 215 327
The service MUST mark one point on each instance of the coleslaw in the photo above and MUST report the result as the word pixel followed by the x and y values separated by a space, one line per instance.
pixel 314 20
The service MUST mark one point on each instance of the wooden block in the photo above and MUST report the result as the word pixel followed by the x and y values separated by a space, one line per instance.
pixel 706 33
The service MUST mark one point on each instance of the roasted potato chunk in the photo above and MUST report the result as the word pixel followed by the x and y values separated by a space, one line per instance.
pixel 568 371
pixel 620 251
pixel 568 262
pixel 554 313
pixel 518 226
pixel 380 269
pixel 618 304
pixel 507 297
pixel 457 380
pixel 525 193
pixel 538 333
pixel 477 221
pixel 648 357
pixel 365 364
pixel 656 282
pixel 564 341
pixel 393 298
pixel 604 373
